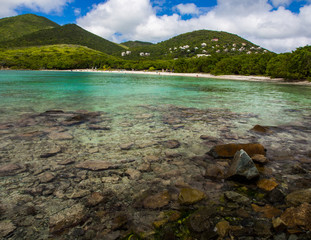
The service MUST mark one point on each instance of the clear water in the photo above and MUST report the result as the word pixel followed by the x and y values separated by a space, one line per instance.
pixel 119 93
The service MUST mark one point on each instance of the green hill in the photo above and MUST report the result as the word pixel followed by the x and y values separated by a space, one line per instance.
pixel 15 27
pixel 198 42
pixel 67 34
pixel 56 57
pixel 133 44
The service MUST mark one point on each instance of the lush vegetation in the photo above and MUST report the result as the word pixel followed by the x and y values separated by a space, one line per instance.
pixel 15 27
pixel 133 44
pixel 34 42
pixel 67 34
pixel 190 44
pixel 56 57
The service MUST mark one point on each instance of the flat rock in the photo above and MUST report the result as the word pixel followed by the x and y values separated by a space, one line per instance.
pixel 229 150
pixel 6 227
pixel 172 144
pixel 267 184
pixel 261 129
pixel 259 158
pixel 99 127
pixel 67 218
pixel 60 136
pixel 51 152
pixel 298 217
pixel 189 196
pixel 243 167
pixel 10 169
pixel 46 177
pixel 298 197
pixel 78 193
pixel 157 201
pixel 133 173
pixel 95 165
pixel 126 146
pixel 223 228
pixel 236 197
pixel 94 199
pixel 267 211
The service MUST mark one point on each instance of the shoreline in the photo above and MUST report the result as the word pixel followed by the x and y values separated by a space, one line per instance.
pixel 199 75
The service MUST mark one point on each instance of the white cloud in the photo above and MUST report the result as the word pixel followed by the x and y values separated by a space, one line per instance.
pixel 8 7
pixel 277 30
pixel 189 8
pixel 277 3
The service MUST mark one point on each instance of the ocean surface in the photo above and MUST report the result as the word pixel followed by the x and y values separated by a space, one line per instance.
pixel 118 93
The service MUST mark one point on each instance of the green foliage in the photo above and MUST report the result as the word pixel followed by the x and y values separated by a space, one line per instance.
pixel 15 27
pixel 227 44
pixel 133 44
pixel 67 34
pixel 56 57
pixel 291 66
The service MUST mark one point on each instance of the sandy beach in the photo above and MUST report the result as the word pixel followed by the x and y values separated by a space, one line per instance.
pixel 203 75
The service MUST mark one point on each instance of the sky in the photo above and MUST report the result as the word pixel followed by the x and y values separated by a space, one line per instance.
pixel 277 25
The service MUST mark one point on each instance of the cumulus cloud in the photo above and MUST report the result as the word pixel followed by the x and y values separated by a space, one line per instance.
pixel 277 3
pixel 189 8
pixel 276 29
pixel 8 7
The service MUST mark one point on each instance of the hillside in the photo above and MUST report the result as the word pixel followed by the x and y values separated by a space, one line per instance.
pixel 15 27
pixel 67 34
pixel 191 44
pixel 55 57
pixel 133 44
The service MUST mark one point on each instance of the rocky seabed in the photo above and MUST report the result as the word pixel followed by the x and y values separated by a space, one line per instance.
pixel 163 172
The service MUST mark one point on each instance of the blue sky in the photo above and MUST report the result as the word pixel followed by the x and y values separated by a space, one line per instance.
pixel 278 25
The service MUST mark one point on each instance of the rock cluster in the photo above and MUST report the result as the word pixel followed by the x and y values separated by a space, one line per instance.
pixel 163 172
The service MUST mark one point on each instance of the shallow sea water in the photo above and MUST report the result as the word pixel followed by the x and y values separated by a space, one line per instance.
pixel 148 127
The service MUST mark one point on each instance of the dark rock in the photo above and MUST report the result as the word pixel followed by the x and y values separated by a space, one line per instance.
pixel 276 196
pixel 119 221
pixel 229 150
pixel 157 201
pixel 281 236
pixel 242 167
pixel 172 144
pixel 95 165
pixel 263 228
pixel 10 169
pixel 67 218
pixel 200 220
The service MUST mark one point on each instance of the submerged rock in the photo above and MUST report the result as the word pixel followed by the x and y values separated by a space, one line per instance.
pixel 60 136
pixel 51 152
pixel 267 184
pixel 95 165
pixel 10 169
pixel 229 150
pixel 242 166
pixel 157 201
pixel 261 129
pixel 296 217
pixel 189 196
pixel 6 227
pixel 259 158
pixel 171 144
pixel 298 197
pixel 67 218
pixel 236 197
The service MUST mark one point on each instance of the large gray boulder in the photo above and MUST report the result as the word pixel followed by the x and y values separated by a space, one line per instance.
pixel 242 167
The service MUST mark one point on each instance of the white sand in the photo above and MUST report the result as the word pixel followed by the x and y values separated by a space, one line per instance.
pixel 203 75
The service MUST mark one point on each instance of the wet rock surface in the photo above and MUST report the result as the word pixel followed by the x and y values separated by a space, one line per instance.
pixel 159 173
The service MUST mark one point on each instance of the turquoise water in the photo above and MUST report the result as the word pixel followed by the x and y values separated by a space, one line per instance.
pixel 119 93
